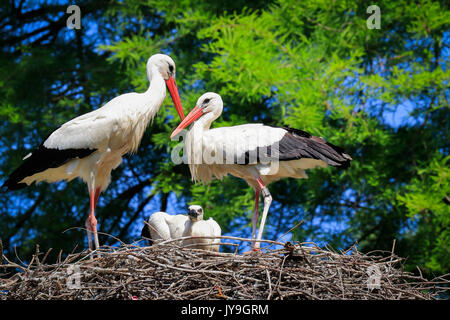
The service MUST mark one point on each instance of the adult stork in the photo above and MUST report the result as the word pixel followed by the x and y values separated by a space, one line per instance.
pixel 92 145
pixel 164 226
pixel 257 153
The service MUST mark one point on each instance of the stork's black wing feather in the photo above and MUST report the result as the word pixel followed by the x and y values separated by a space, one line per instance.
pixel 41 159
pixel 297 144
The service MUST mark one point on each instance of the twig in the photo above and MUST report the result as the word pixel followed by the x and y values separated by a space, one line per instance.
pixel 171 271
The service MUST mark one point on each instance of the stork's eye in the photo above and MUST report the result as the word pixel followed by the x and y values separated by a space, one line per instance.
pixel 206 101
pixel 170 68
pixel 200 210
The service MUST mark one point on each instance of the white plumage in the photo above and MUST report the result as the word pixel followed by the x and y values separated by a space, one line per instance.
pixel 92 145
pixel 163 226
pixel 234 150
pixel 257 153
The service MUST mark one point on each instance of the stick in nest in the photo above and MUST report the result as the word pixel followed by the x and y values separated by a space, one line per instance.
pixel 170 271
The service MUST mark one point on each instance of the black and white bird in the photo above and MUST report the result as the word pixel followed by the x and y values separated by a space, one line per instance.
pixel 257 153
pixel 92 145
pixel 163 226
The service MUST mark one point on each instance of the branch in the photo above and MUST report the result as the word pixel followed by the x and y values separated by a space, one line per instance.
pixel 126 195
pixel 23 218
pixel 141 207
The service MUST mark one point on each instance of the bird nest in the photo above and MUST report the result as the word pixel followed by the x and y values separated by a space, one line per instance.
pixel 169 271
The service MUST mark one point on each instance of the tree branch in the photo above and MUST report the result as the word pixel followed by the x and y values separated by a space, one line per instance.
pixel 141 207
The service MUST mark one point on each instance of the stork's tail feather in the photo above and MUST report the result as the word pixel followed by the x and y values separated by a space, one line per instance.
pixel 39 160
pixel 9 185
pixel 297 144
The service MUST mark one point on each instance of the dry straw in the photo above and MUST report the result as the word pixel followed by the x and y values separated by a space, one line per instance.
pixel 169 271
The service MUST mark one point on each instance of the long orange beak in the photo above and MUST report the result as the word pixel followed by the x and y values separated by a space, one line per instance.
pixel 191 117
pixel 173 90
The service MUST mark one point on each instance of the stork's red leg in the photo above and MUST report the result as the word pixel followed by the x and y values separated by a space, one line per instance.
pixel 91 222
pixel 96 196
pixel 255 214
pixel 267 201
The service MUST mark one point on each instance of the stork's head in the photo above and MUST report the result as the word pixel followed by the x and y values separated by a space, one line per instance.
pixel 195 213
pixel 164 64
pixel 166 67
pixel 208 104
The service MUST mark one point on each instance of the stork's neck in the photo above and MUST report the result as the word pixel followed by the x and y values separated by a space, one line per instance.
pixel 156 93
pixel 205 121
pixel 194 141
pixel 196 220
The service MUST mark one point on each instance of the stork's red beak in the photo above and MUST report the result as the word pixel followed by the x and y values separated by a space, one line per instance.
pixel 191 117
pixel 173 90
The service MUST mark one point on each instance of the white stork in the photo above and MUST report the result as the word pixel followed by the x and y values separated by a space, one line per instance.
pixel 163 226
pixel 257 153
pixel 92 145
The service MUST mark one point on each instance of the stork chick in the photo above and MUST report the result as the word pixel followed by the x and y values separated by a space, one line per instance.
pixel 163 226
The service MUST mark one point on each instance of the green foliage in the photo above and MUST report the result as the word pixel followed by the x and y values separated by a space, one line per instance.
pixel 429 189
pixel 427 198
pixel 311 65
